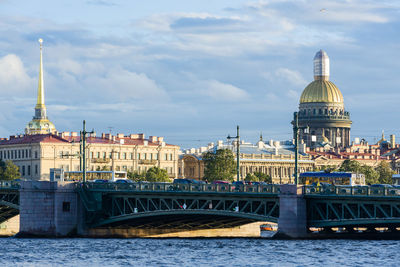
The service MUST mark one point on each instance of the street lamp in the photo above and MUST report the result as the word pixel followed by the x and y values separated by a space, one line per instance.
pixel 237 152
pixel 296 146
pixel 83 135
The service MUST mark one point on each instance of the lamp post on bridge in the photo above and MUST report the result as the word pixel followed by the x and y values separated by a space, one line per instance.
pixel 296 146
pixel 237 151
pixel 83 135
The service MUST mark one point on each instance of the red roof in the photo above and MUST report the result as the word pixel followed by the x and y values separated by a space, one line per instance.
pixel 51 138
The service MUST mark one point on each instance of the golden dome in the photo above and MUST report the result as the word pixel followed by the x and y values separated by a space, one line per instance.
pixel 321 91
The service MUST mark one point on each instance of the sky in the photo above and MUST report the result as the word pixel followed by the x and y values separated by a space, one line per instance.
pixel 192 70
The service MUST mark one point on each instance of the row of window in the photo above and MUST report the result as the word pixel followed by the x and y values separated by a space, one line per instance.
pixel 125 155
pixel 25 170
pixel 17 154
pixel 117 168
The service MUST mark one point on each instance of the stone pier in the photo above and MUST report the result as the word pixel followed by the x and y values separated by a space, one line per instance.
pixel 292 222
pixel 48 209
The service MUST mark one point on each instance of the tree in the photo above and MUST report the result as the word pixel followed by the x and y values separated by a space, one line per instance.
pixel 250 177
pixel 350 166
pixel 219 165
pixel 371 176
pixel 136 176
pixel 263 177
pixel 385 172
pixel 11 171
pixel 155 174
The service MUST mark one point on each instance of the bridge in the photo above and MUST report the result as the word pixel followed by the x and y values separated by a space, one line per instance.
pixel 121 208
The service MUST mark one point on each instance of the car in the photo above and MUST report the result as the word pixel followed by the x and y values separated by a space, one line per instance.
pixel 220 182
pixel 123 181
pixel 182 181
pixel 100 181
pixel 381 185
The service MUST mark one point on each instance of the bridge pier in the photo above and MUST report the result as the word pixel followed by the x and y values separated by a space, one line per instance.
pixel 292 222
pixel 48 209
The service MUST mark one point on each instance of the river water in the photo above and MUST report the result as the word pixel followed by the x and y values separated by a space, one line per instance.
pixel 197 252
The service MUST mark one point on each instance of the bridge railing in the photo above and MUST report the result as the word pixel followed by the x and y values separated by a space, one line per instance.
pixel 351 190
pixel 9 185
pixel 170 187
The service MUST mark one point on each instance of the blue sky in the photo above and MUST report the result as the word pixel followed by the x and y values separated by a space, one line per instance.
pixel 192 70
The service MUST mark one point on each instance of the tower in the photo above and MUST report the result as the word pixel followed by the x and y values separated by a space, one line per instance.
pixel 40 124
pixel 322 117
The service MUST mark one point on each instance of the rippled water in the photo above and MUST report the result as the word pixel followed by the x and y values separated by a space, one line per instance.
pixel 199 252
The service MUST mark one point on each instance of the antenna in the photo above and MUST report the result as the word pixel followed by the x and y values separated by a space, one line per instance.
pixel 110 128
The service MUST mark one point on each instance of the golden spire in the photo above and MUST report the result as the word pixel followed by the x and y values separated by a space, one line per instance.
pixel 40 97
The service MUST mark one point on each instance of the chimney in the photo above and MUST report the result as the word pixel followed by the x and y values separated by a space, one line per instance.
pixel 74 134
pixel 134 136
pixel 108 136
pixel 153 139
pixel 103 136
pixel 120 135
pixel 145 143
pixel 160 139
pixel 141 136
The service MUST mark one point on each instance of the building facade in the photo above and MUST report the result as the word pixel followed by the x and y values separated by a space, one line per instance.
pixel 36 154
pixel 274 158
pixel 322 117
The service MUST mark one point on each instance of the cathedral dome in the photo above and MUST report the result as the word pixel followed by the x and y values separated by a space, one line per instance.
pixel 321 91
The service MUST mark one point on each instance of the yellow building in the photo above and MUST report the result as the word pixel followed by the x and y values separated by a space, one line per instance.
pixel 36 154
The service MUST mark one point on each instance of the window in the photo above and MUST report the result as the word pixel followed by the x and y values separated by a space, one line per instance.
pixel 66 206
pixel 138 155
pixel 156 156
pixel 98 155
pixel 19 154
pixel 36 169
pixel 124 155
pixel 151 155
pixel 104 155
pixel 170 157
pixel 92 155
pixel 36 154
pixel 144 155
pixel 110 155
pixel 29 169
pixel 166 156
pixel 131 156
pixel 30 153
pixel 1 154
pixel 23 170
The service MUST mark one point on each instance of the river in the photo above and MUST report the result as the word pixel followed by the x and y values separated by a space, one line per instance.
pixel 197 252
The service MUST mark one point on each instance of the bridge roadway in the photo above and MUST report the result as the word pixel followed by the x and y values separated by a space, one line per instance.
pixel 208 206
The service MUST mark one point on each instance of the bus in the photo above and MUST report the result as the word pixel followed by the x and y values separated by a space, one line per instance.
pixel 333 178
pixel 94 175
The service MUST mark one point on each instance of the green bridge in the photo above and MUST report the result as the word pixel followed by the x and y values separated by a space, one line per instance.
pixel 211 206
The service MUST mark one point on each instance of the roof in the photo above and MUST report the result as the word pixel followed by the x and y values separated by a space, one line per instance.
pixel 321 91
pixel 52 138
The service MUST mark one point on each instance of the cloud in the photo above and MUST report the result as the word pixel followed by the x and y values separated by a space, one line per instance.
pixel 224 92
pixel 292 76
pixel 13 76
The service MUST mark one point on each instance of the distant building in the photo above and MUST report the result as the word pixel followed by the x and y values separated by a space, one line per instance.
pixel 274 158
pixel 322 117
pixel 36 154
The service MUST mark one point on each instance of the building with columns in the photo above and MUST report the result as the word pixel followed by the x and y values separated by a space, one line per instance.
pixel 322 117
pixel 273 158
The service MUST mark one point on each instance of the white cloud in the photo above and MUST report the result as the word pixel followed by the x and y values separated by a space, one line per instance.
pixel 13 76
pixel 224 92
pixel 125 85
pixel 292 76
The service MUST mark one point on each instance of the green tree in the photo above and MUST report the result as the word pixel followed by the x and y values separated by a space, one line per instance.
pixel 385 172
pixel 155 174
pixel 263 177
pixel 371 176
pixel 219 165
pixel 136 176
pixel 250 177
pixel 11 171
pixel 350 166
